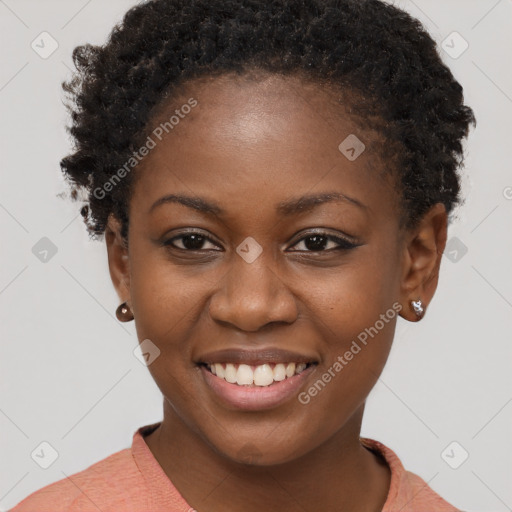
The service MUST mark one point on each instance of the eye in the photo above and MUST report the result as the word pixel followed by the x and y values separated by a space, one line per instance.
pixel 190 241
pixel 319 242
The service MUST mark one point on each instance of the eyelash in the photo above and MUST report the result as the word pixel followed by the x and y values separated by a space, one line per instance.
pixel 344 243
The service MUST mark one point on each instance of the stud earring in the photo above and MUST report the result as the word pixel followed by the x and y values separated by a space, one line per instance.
pixel 418 307
pixel 124 313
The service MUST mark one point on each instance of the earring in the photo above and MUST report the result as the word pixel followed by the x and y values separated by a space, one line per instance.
pixel 417 305
pixel 124 313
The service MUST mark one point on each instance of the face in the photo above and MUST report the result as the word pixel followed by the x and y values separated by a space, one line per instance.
pixel 283 258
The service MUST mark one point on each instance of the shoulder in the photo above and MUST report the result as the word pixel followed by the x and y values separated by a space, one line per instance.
pixel 113 481
pixel 408 492
pixel 422 495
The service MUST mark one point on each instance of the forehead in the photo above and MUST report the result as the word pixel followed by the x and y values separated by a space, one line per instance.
pixel 249 139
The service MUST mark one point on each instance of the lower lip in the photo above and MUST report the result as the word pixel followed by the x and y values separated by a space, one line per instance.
pixel 255 398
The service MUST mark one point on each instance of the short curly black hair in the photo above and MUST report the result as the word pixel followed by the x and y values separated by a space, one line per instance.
pixel 375 50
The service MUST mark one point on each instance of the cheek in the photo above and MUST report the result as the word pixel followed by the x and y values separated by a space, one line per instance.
pixel 167 304
pixel 353 296
pixel 167 298
pixel 354 312
pixel 357 331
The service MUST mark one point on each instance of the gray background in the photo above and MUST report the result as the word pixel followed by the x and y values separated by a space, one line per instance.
pixel 68 372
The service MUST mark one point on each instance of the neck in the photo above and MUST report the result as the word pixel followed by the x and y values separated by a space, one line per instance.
pixel 339 475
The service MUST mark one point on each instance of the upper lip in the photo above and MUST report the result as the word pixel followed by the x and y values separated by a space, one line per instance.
pixel 254 357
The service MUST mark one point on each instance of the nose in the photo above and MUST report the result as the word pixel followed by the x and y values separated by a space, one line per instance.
pixel 251 296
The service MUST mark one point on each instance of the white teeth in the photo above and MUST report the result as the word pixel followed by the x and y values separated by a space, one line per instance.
pixel 290 369
pixel 219 370
pixel 244 375
pixel 262 375
pixel 230 374
pixel 300 368
pixel 279 372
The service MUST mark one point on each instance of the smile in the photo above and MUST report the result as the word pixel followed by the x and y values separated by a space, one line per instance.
pixel 252 380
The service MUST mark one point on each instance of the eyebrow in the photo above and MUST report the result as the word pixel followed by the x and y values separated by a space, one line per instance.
pixel 286 208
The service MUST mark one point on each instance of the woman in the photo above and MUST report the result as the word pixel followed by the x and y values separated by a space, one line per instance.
pixel 273 182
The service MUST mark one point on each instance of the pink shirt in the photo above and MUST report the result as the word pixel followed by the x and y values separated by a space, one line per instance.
pixel 132 480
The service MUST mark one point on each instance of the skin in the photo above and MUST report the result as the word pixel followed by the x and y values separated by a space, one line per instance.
pixel 247 146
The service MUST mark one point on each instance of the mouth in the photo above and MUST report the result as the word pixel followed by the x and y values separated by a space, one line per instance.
pixel 255 380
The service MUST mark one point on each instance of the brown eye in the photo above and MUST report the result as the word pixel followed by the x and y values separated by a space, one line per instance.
pixel 319 242
pixel 192 241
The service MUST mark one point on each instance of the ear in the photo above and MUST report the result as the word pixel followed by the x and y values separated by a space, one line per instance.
pixel 118 260
pixel 423 250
